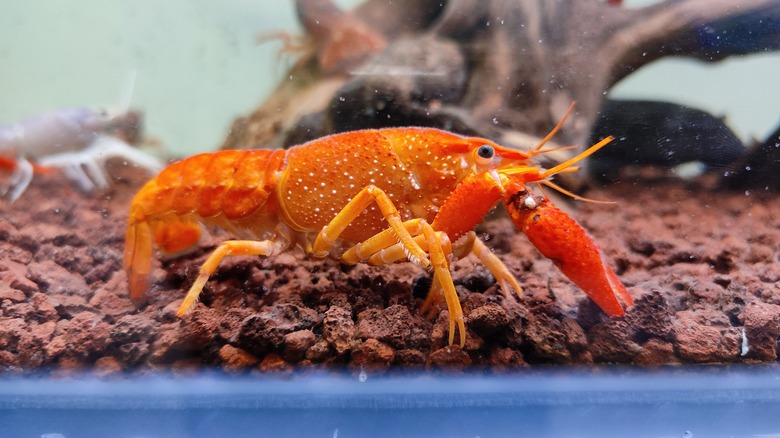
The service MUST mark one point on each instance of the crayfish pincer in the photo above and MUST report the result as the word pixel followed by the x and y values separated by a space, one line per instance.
pixel 373 196
pixel 562 240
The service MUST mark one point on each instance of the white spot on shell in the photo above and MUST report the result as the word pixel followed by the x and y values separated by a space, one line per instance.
pixel 414 181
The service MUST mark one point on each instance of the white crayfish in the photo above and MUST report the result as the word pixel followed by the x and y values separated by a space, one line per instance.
pixel 77 141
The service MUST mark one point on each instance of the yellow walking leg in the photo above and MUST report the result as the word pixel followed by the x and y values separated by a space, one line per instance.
pixel 505 279
pixel 442 276
pixel 327 237
pixel 228 248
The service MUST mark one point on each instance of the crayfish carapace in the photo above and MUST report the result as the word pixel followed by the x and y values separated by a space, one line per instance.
pixel 374 196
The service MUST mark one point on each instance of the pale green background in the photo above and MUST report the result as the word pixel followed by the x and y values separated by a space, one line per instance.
pixel 198 67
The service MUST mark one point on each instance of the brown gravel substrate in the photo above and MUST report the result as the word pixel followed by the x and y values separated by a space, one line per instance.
pixel 702 265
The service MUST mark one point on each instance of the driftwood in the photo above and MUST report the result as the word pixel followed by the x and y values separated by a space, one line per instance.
pixel 504 69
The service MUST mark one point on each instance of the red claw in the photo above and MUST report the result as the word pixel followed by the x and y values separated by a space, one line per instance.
pixel 559 238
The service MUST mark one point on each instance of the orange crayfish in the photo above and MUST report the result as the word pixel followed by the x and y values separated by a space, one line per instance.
pixel 375 196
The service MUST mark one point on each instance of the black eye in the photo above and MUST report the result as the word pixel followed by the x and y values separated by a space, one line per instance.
pixel 485 151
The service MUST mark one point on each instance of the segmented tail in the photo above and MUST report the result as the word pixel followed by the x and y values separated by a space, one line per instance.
pixel 138 256
pixel 171 234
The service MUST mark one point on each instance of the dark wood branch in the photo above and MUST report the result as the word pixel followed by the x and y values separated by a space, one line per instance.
pixel 506 69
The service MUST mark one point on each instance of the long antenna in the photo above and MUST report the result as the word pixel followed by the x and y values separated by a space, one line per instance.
pixel 127 92
pixel 557 127
pixel 584 154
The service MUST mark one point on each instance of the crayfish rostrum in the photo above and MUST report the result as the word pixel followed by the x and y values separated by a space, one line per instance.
pixel 373 196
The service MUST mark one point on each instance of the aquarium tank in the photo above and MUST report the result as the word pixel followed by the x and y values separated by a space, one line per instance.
pixel 390 218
